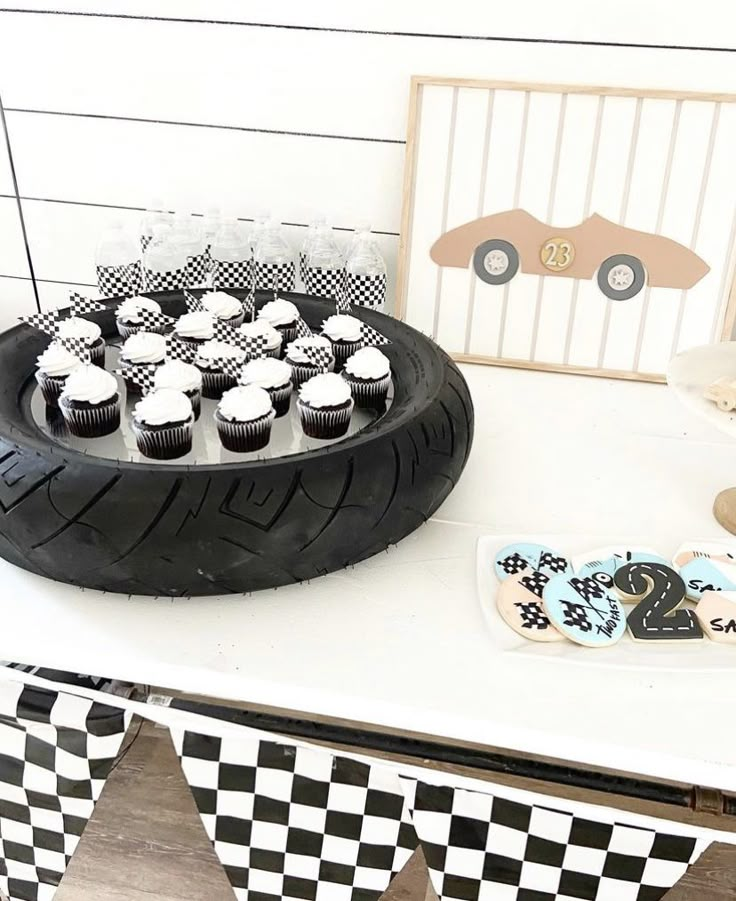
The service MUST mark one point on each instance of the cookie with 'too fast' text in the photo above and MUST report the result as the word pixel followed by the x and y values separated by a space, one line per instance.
pixel 519 602
pixel 585 609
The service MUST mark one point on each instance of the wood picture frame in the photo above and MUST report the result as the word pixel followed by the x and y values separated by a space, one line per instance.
pixel 649 163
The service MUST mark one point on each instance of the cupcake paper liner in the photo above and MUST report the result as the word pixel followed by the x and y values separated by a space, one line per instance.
pixel 275 352
pixel 281 399
pixel 235 321
pixel 195 397
pixel 288 333
pixel 164 444
pixel 126 329
pixel 368 394
pixel 94 421
pixel 97 353
pixel 325 423
pixel 51 387
pixel 215 383
pixel 341 350
pixel 301 373
pixel 245 437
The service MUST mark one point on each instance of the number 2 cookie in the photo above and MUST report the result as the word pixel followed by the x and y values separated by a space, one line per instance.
pixel 585 609
pixel 519 601
pixel 516 558
pixel 658 615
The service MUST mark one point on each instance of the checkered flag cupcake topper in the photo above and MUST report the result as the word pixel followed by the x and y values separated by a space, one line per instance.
pixel 231 366
pixel 143 375
pixel 154 319
pixel 194 304
pixel 371 337
pixel 45 322
pixel 180 350
pixel 302 329
pixel 342 300
pixel 76 346
pixel 249 304
pixel 81 305
pixel 253 345
pixel 319 356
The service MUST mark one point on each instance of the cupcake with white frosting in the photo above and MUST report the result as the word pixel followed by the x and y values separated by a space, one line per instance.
pixel 184 377
pixel 87 331
pixel 225 307
pixel 244 418
pixel 90 402
pixel 208 360
pixel 128 316
pixel 260 328
pixel 346 335
pixel 141 349
pixel 273 376
pixel 162 424
pixel 368 372
pixel 283 316
pixel 193 329
pixel 309 356
pixel 325 406
pixel 55 364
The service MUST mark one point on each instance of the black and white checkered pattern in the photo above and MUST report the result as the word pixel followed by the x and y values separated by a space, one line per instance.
pixel 172 280
pixel 114 281
pixel 249 306
pixel 142 375
pixel 253 345
pixel 534 581
pixel 79 680
pixel 56 751
pixel 81 305
pixel 588 588
pixel 153 319
pixel 342 302
pixel 194 304
pixel 145 241
pixel 229 274
pixel 302 329
pixel 76 346
pixel 554 563
pixel 275 276
pixel 303 267
pixel 365 290
pixel 180 350
pixel 231 366
pixel 319 356
pixel 371 337
pixel 292 822
pixel 513 564
pixel 480 846
pixel 533 616
pixel 198 269
pixel 324 282
pixel 45 322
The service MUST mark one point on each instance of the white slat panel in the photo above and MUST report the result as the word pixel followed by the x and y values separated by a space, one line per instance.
pixel 500 194
pixel 462 206
pixel 130 163
pixel 434 116
pixel 13 259
pixel 537 183
pixel 55 295
pixel 16 299
pixel 6 179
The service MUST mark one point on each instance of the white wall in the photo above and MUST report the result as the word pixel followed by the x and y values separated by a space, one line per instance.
pixel 299 107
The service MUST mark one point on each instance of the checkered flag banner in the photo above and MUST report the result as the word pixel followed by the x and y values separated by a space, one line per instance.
pixel 324 282
pixel 56 751
pixel 45 322
pixel 295 822
pixel 275 276
pixel 194 304
pixel 142 375
pixel 365 290
pixel 81 305
pixel 198 269
pixel 172 280
pixel 114 281
pixel 371 337
pixel 153 319
pixel 481 846
pixel 76 346
pixel 180 350
pixel 232 274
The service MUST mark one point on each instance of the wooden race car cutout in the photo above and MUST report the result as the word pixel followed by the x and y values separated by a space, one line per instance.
pixel 623 259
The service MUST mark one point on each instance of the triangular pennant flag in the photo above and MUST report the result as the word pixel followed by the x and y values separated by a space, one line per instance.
pixel 371 337
pixel 82 305
pixel 78 347
pixel 194 304
pixel 302 329
pixel 180 350
pixel 249 306
pixel 44 322
pixel 231 366
pixel 154 319
pixel 319 355
pixel 342 301
pixel 142 375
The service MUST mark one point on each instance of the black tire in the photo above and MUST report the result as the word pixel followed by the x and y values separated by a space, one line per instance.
pixel 637 272
pixel 168 529
pixel 479 261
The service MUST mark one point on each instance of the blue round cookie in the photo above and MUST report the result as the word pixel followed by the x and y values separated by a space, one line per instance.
pixel 585 608
pixel 516 558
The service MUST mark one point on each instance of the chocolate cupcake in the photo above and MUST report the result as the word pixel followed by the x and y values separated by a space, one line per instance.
pixel 193 329
pixel 325 406
pixel 260 328
pixel 128 316
pixel 90 402
pixel 89 332
pixel 225 307
pixel 54 366
pixel 309 357
pixel 244 418
pixel 368 372
pixel 162 424
pixel 273 376
pixel 214 379
pixel 346 335
pixel 282 315
pixel 141 349
pixel 183 377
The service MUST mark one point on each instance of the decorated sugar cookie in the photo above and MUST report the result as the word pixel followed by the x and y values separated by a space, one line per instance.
pixel 716 613
pixel 717 552
pixel 515 558
pixel 519 601
pixel 658 615
pixel 703 574
pixel 585 608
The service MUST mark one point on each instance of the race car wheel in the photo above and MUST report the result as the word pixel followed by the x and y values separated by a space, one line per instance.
pixel 621 277
pixel 496 261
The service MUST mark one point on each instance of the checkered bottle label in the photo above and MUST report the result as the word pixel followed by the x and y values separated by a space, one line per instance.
pixel 365 290
pixel 114 281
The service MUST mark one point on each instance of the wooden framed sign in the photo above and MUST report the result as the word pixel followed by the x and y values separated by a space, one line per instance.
pixel 582 229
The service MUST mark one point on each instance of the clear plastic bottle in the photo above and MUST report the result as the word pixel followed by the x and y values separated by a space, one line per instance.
pixel 188 235
pixel 154 216
pixel 365 274
pixel 164 262
pixel 361 229
pixel 213 222
pixel 118 262
pixel 309 238
pixel 231 257
pixel 262 218
pixel 323 268
pixel 274 260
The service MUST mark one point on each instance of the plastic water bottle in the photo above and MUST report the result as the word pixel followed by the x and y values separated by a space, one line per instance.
pixel 323 268
pixel 118 263
pixel 188 235
pixel 262 218
pixel 212 224
pixel 365 274
pixel 164 262
pixel 274 260
pixel 157 215
pixel 361 229
pixel 232 263
pixel 307 243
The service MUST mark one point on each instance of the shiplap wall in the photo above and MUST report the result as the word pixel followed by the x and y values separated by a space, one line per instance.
pixel 298 107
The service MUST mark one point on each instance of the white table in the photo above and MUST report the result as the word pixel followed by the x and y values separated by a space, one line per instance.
pixel 400 640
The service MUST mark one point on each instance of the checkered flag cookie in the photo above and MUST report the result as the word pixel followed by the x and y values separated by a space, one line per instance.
pixel 230 274
pixel 153 319
pixel 292 822
pixel 143 375
pixel 275 276
pixel 324 282
pixel 45 322
pixel 365 290
pixel 57 750
pixel 114 281
pixel 81 305
pixel 371 337
pixel 194 304
pixel 481 846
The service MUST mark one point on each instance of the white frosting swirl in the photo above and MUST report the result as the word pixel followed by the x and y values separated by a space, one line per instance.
pixel 279 312
pixel 368 363
pixel 90 383
pixel 262 328
pixel 195 325
pixel 295 353
pixel 178 375
pixel 144 347
pixel 342 328
pixel 222 305
pixel 76 327
pixel 162 406
pixel 57 361
pixel 266 372
pixel 211 350
pixel 129 309
pixel 325 390
pixel 244 404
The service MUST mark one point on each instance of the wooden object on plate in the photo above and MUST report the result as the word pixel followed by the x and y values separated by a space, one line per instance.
pixel 716 613
pixel 520 604
pixel 659 615
pixel 724 509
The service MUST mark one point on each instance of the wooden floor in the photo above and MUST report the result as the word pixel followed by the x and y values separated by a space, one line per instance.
pixel 145 841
